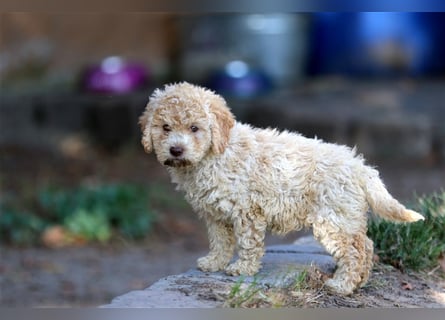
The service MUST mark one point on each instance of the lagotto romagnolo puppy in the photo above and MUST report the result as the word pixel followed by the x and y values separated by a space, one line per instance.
pixel 244 181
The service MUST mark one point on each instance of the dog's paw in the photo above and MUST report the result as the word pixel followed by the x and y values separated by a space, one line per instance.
pixel 339 287
pixel 242 267
pixel 210 264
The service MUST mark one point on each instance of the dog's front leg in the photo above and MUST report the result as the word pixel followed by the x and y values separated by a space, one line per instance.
pixel 222 244
pixel 249 231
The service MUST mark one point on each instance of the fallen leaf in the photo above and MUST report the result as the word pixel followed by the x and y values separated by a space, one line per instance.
pixel 53 237
pixel 406 285
pixel 58 237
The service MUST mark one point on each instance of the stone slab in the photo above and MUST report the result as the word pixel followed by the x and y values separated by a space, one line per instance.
pixel 196 289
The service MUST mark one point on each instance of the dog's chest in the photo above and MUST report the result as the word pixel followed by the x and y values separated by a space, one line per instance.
pixel 207 194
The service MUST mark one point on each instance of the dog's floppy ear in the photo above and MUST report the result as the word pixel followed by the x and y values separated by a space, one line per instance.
pixel 145 121
pixel 222 123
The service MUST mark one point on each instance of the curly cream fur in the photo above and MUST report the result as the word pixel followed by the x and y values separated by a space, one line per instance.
pixel 244 181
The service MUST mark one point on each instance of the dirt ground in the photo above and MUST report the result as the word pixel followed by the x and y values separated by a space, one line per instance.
pixel 92 275
pixel 387 288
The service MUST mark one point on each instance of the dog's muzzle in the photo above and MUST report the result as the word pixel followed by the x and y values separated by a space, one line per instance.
pixel 177 162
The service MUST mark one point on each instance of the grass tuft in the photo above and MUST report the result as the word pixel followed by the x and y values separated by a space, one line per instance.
pixel 243 294
pixel 303 292
pixel 415 246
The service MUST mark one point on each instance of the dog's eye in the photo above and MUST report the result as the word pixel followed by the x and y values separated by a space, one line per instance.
pixel 166 128
pixel 194 128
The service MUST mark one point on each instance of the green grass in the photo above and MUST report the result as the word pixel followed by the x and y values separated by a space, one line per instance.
pixel 253 295
pixel 242 293
pixel 245 294
pixel 415 246
pixel 301 280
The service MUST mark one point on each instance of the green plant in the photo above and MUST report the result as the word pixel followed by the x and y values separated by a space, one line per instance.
pixel 301 280
pixel 19 227
pixel 93 211
pixel 415 246
pixel 90 225
pixel 253 294
pixel 242 294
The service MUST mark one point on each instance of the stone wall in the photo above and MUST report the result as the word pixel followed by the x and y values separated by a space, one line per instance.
pixel 397 121
pixel 42 120
pixel 383 122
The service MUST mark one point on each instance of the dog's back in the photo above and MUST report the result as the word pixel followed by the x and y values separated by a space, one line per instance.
pixel 291 176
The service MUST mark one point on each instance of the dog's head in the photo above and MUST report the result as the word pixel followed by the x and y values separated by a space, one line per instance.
pixel 183 123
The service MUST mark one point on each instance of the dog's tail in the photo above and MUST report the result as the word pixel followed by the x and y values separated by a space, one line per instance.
pixel 382 203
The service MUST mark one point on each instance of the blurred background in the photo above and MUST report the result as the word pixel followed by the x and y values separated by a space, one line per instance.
pixel 86 215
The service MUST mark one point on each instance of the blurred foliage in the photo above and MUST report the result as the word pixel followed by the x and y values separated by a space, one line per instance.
pixel 18 227
pixel 91 225
pixel 415 246
pixel 92 213
pixel 123 207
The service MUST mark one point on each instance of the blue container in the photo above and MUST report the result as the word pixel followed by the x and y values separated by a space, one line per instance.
pixel 239 80
pixel 378 43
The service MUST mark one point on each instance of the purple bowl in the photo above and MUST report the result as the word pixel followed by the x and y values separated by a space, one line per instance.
pixel 114 76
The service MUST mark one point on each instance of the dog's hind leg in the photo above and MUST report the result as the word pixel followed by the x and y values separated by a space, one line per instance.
pixel 348 250
pixel 367 267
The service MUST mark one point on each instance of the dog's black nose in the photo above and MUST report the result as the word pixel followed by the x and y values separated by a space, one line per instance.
pixel 176 151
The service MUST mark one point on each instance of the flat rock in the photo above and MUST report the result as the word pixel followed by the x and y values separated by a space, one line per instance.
pixel 196 289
